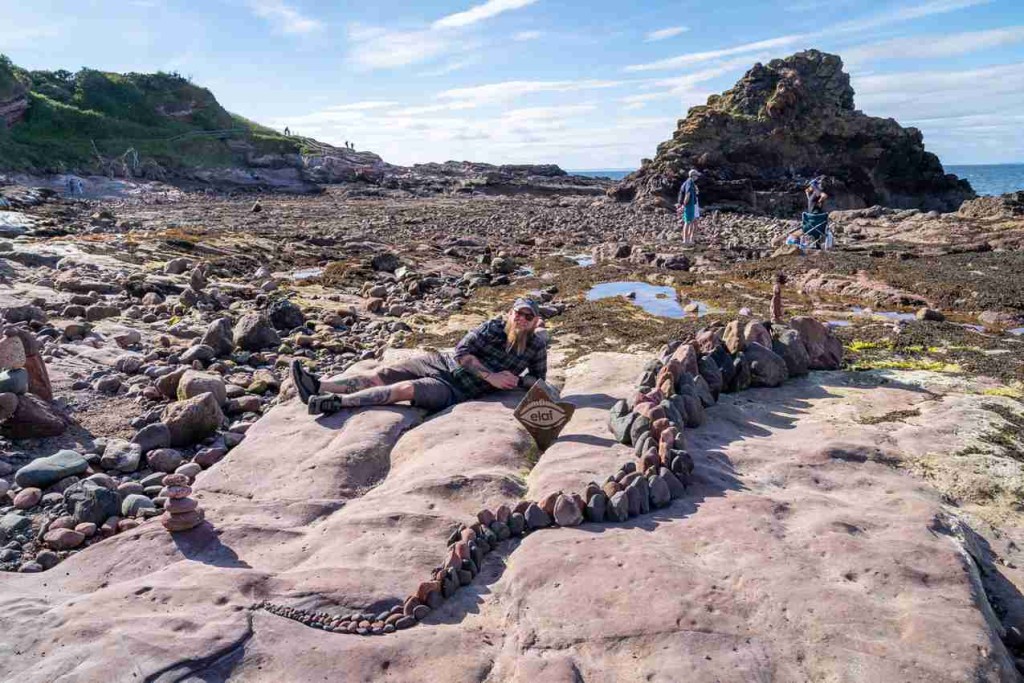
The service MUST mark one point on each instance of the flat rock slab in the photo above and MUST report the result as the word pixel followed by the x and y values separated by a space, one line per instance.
pixel 797 554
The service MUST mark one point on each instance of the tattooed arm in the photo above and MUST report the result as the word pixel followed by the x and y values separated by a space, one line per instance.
pixel 498 380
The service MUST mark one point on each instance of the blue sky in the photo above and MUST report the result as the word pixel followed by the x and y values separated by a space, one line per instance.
pixel 593 84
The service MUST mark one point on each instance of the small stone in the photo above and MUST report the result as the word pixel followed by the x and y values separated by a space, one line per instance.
pixel 176 492
pixel 47 559
pixel 182 522
pixel 618 508
pixel 929 314
pixel 566 513
pixel 420 612
pixel 536 518
pixel 63 539
pixel 675 487
pixel 596 507
pixel 134 503
pixel 517 523
pixel 180 506
pixel 660 494
pixel 175 479
pixel 87 529
pixel 164 459
pixel 27 498
pixel 485 517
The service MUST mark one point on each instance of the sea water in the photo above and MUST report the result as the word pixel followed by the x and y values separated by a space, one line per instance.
pixel 984 178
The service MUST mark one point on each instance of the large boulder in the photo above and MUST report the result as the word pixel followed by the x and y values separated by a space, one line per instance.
pixel 767 369
pixel 34 418
pixel 121 455
pixel 219 337
pixel 89 502
pixel 43 472
pixel 824 351
pixel 253 332
pixel 787 344
pixel 285 316
pixel 193 383
pixel 794 116
pixel 193 419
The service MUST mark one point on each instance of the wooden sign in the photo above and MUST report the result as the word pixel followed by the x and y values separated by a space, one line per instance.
pixel 543 415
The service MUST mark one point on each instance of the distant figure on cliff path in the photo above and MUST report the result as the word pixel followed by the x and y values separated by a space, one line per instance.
pixel 688 205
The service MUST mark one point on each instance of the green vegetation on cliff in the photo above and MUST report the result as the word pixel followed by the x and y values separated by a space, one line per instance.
pixel 105 122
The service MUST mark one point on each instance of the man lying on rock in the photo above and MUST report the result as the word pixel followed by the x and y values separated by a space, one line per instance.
pixel 493 357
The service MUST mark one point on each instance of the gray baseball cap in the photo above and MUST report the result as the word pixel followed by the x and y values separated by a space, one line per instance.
pixel 522 303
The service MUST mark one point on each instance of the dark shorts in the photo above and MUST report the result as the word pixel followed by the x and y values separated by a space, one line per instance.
pixel 431 378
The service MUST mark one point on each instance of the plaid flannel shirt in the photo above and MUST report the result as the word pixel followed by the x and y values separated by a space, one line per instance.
pixel 489 345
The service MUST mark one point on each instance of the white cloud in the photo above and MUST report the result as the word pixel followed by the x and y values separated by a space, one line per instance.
pixel 709 55
pixel 523 36
pixel 934 46
pixel 900 14
pixel 510 90
pixel 365 105
pixel 378 48
pixel 662 34
pixel 451 67
pixel 284 17
pixel 478 13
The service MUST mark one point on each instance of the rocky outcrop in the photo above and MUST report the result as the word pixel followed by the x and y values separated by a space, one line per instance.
pixel 783 123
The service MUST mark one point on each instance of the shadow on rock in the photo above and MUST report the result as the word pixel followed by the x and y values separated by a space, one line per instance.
pixel 203 544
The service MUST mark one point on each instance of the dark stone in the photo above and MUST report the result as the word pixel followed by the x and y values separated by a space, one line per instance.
pixel 767 368
pixel 787 344
pixel 517 523
pixel 633 497
pixel 660 495
pixel 641 425
pixel 285 315
pixel 90 502
pixel 676 488
pixel 536 518
pixel 726 366
pixel 618 508
pixel 42 472
pixel 596 507
pixel 712 374
pixel 153 436
pixel 741 380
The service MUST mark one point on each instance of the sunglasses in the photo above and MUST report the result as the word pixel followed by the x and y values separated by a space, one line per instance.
pixel 526 314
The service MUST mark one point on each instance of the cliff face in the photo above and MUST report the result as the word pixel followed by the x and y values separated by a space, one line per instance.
pixel 783 123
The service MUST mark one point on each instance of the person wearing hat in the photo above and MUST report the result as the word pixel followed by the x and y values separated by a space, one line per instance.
pixel 503 353
pixel 687 205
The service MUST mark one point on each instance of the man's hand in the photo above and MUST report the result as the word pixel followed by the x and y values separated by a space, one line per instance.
pixel 502 380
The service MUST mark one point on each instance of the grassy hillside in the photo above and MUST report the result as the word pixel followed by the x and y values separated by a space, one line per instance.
pixel 90 120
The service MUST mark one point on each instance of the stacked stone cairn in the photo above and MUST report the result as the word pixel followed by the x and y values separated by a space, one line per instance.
pixel 181 513
pixel 673 392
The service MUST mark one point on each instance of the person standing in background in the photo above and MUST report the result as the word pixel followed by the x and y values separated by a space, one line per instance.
pixel 688 206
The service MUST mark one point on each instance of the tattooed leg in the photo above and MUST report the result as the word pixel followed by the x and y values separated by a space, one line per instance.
pixel 379 396
pixel 325 404
pixel 349 385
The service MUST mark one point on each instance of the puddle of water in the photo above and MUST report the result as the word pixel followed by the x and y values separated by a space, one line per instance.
pixel 839 323
pixel 583 260
pixel 525 271
pixel 1017 331
pixel 660 301
pixel 307 273
pixel 888 315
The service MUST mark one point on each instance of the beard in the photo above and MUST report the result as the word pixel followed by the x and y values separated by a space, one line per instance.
pixel 517 338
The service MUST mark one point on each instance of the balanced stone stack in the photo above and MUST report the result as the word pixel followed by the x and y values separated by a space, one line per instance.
pixel 181 513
